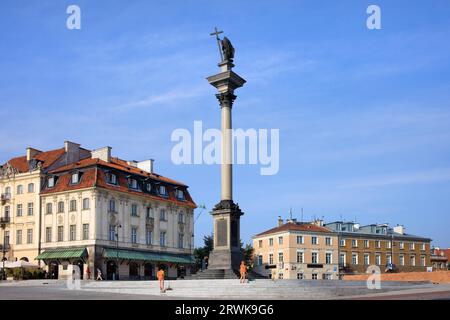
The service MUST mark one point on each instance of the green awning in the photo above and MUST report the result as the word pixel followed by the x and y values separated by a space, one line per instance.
pixel 67 253
pixel 109 253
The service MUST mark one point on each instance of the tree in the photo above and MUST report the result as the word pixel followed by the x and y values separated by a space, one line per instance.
pixel 202 252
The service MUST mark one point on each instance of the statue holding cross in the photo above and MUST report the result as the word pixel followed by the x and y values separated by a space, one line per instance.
pixel 226 49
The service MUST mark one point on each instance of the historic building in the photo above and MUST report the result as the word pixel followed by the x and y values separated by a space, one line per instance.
pixel 97 212
pixel 378 244
pixel 296 250
pixel 439 259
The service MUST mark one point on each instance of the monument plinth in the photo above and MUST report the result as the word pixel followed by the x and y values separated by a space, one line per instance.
pixel 226 255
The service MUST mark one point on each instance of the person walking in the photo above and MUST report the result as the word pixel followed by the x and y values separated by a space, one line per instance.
pixel 160 276
pixel 99 274
pixel 88 273
pixel 243 271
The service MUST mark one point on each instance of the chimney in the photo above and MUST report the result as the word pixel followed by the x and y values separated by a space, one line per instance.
pixel 31 153
pixel 146 165
pixel 280 221
pixel 399 229
pixel 72 152
pixel 102 154
pixel 318 222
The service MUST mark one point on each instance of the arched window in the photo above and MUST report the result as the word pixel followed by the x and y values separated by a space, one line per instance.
pixel 30 187
pixel 8 190
pixel 19 189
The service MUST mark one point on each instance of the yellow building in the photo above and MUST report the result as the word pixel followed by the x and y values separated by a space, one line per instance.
pixel 296 250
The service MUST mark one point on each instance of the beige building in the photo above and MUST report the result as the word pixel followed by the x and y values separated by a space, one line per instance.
pixel 296 250
pixel 97 212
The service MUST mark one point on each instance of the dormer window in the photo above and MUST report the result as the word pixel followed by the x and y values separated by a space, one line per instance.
pixel 179 194
pixel 162 190
pixel 111 178
pixel 75 178
pixel 51 182
pixel 148 187
pixel 133 184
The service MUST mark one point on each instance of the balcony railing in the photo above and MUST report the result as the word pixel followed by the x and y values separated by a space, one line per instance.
pixel 150 221
pixel 5 247
pixel 5 220
pixel 5 197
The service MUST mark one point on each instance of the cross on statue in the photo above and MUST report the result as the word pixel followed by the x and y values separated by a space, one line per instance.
pixel 216 33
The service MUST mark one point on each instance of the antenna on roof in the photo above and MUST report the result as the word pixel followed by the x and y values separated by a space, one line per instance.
pixel 290 213
pixel 302 216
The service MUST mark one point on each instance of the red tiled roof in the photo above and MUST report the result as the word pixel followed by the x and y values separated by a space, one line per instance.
pixel 295 226
pixel 47 158
pixel 446 252
pixel 93 175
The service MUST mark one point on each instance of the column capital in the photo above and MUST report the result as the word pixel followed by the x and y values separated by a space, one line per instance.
pixel 226 99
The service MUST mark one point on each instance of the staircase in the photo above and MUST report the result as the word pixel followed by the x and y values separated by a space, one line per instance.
pixel 222 274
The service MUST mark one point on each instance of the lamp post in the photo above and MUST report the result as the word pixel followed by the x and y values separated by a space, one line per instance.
pixel 116 274
pixel 3 222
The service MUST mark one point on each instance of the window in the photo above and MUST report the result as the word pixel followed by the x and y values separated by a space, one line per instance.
pixel 75 178
pixel 280 240
pixel 72 233
pixel 148 187
pixel 30 236
pixel 73 205
pixel 260 243
pixel 377 244
pixel 19 237
pixel 328 241
pixel 313 240
pixel 49 208
pixel 299 257
pixel 280 257
pixel 162 239
pixel 412 261
pixel 354 243
pixel 422 247
pixel 7 211
pixel 112 232
pixel 133 184
pixel 180 240
pixel 19 210
pixel 30 208
pixel 260 260
pixel 271 242
pixel 314 276
pixel 149 212
pixel 86 231
pixel 401 245
pixel 162 190
pixel 51 182
pixel 86 204
pixel 366 259
pixel 314 257
pixel 20 189
pixel 300 240
pixel 388 244
pixel 388 259
pixel 6 237
pixel 181 217
pixel 180 194
pixel 60 207
pixel 423 261
pixel 148 236
pixel 48 234
pixel 134 210
pixel 280 276
pixel 30 187
pixel 366 243
pixel 342 259
pixel 328 258
pixel 300 276
pixel 162 215
pixel 401 259
pixel 342 242
pixel 60 233
pixel 133 235
pixel 271 258
pixel 412 246
pixel 354 258
pixel 111 178
pixel 378 259
pixel 8 191
pixel 112 205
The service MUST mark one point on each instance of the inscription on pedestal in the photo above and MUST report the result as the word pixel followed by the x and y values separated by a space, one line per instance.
pixel 221 227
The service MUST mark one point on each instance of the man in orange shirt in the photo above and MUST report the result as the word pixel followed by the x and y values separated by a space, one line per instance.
pixel 243 271
pixel 160 276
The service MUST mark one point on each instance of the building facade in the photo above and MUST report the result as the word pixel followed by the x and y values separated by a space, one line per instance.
pixel 296 250
pixel 391 249
pixel 95 212
pixel 439 259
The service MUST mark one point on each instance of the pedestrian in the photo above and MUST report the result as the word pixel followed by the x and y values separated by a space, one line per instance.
pixel 88 273
pixel 160 276
pixel 99 274
pixel 243 271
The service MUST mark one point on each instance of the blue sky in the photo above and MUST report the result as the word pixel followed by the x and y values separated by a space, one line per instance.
pixel 364 115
